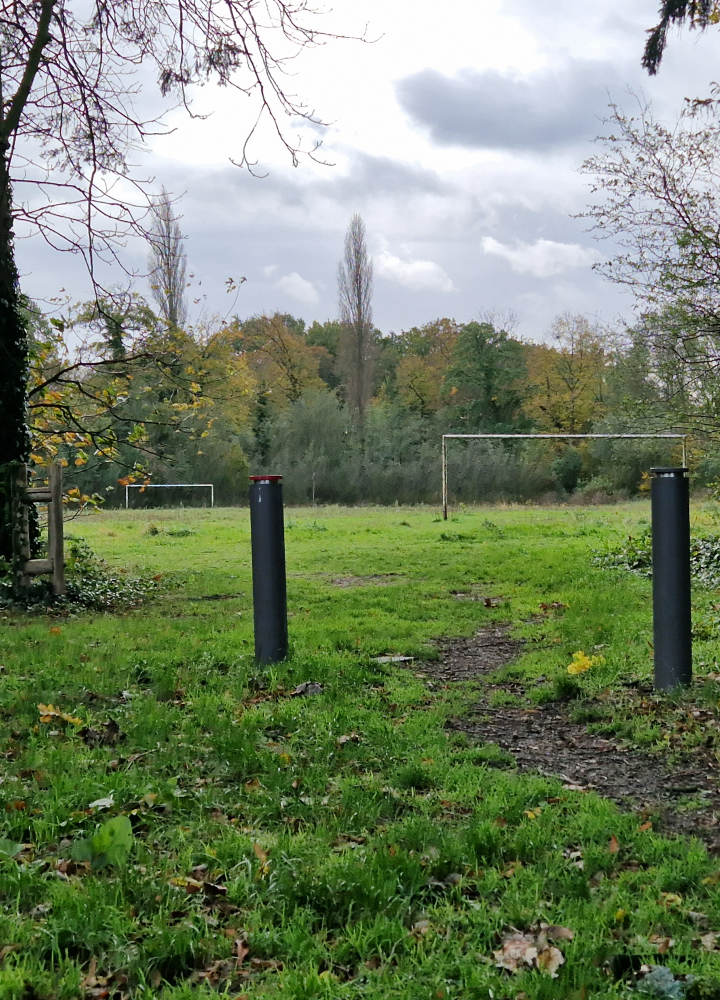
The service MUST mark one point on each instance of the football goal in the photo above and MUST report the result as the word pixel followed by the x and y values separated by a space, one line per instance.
pixel 555 437
pixel 169 499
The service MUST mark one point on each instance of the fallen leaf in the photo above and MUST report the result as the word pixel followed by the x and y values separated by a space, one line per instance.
pixel 266 963
pixel 350 738
pixel 105 803
pixel 645 827
pixel 190 885
pixel 708 941
pixel 582 662
pixel 549 961
pixel 260 853
pixel 670 899
pixel 614 845
pixel 516 951
pixel 55 630
pixel 663 943
pixel 556 933
pixel 8 949
pixel 48 713
pixel 307 688
pixel 241 950
pixel 512 869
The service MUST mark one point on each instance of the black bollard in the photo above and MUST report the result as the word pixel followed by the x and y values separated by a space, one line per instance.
pixel 267 532
pixel 670 502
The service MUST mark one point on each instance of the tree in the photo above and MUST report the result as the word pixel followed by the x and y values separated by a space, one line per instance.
pixel 68 119
pixel 167 262
pixel 426 353
pixel 697 13
pixel 357 344
pixel 282 362
pixel 661 207
pixel 486 377
pixel 567 379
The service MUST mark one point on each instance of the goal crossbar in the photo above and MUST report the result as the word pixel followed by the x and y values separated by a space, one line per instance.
pixel 556 437
pixel 165 486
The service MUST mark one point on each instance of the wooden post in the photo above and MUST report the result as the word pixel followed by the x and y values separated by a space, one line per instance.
pixel 56 548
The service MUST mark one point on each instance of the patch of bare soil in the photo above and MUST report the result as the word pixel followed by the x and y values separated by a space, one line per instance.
pixel 684 798
pixel 473 656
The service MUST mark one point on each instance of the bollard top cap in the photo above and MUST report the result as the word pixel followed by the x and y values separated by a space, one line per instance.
pixel 265 479
pixel 669 470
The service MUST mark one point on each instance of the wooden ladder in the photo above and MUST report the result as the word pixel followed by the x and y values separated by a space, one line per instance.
pixel 23 496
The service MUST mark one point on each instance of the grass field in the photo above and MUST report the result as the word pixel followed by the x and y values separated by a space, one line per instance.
pixel 343 844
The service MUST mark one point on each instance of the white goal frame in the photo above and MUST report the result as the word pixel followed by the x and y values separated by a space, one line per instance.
pixel 554 437
pixel 165 486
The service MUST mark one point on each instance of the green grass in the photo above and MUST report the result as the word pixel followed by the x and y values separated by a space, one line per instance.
pixel 323 830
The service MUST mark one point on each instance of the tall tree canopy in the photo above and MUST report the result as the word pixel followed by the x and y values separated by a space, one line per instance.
pixel 696 13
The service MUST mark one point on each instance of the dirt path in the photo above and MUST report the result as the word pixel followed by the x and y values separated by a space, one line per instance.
pixel 546 741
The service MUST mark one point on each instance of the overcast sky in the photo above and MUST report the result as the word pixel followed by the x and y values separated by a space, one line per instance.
pixel 456 133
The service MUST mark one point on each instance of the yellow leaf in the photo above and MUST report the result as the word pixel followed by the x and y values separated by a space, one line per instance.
pixel 670 899
pixel 620 916
pixel 582 662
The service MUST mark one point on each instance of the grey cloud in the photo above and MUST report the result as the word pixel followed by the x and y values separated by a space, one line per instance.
pixel 486 109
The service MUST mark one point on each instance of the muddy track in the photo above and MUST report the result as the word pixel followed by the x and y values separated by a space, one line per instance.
pixel 681 799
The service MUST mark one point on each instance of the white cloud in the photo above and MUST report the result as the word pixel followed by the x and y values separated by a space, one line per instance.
pixel 299 288
pixel 543 258
pixel 419 274
pixel 269 270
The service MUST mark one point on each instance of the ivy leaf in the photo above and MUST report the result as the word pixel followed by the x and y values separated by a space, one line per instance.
pixel 9 847
pixel 109 845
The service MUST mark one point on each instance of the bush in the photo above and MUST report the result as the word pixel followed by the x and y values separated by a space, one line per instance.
pixel 90 584
pixel 635 555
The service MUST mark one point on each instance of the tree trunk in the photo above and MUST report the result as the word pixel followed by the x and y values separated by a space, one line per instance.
pixel 14 432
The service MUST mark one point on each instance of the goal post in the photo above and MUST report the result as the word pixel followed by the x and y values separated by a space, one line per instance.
pixel 552 437
pixel 167 486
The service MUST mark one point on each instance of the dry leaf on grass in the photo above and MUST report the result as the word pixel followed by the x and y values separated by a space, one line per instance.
pixel 516 952
pixel 614 845
pixel 532 949
pixel 549 961
pixel 48 713
pixel 582 662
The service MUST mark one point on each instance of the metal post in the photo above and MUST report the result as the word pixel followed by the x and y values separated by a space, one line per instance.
pixel 127 497
pixel 267 533
pixel 56 548
pixel 670 503
pixel 444 479
pixel 212 495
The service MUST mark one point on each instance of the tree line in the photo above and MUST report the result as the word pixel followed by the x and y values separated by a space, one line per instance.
pixel 344 411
